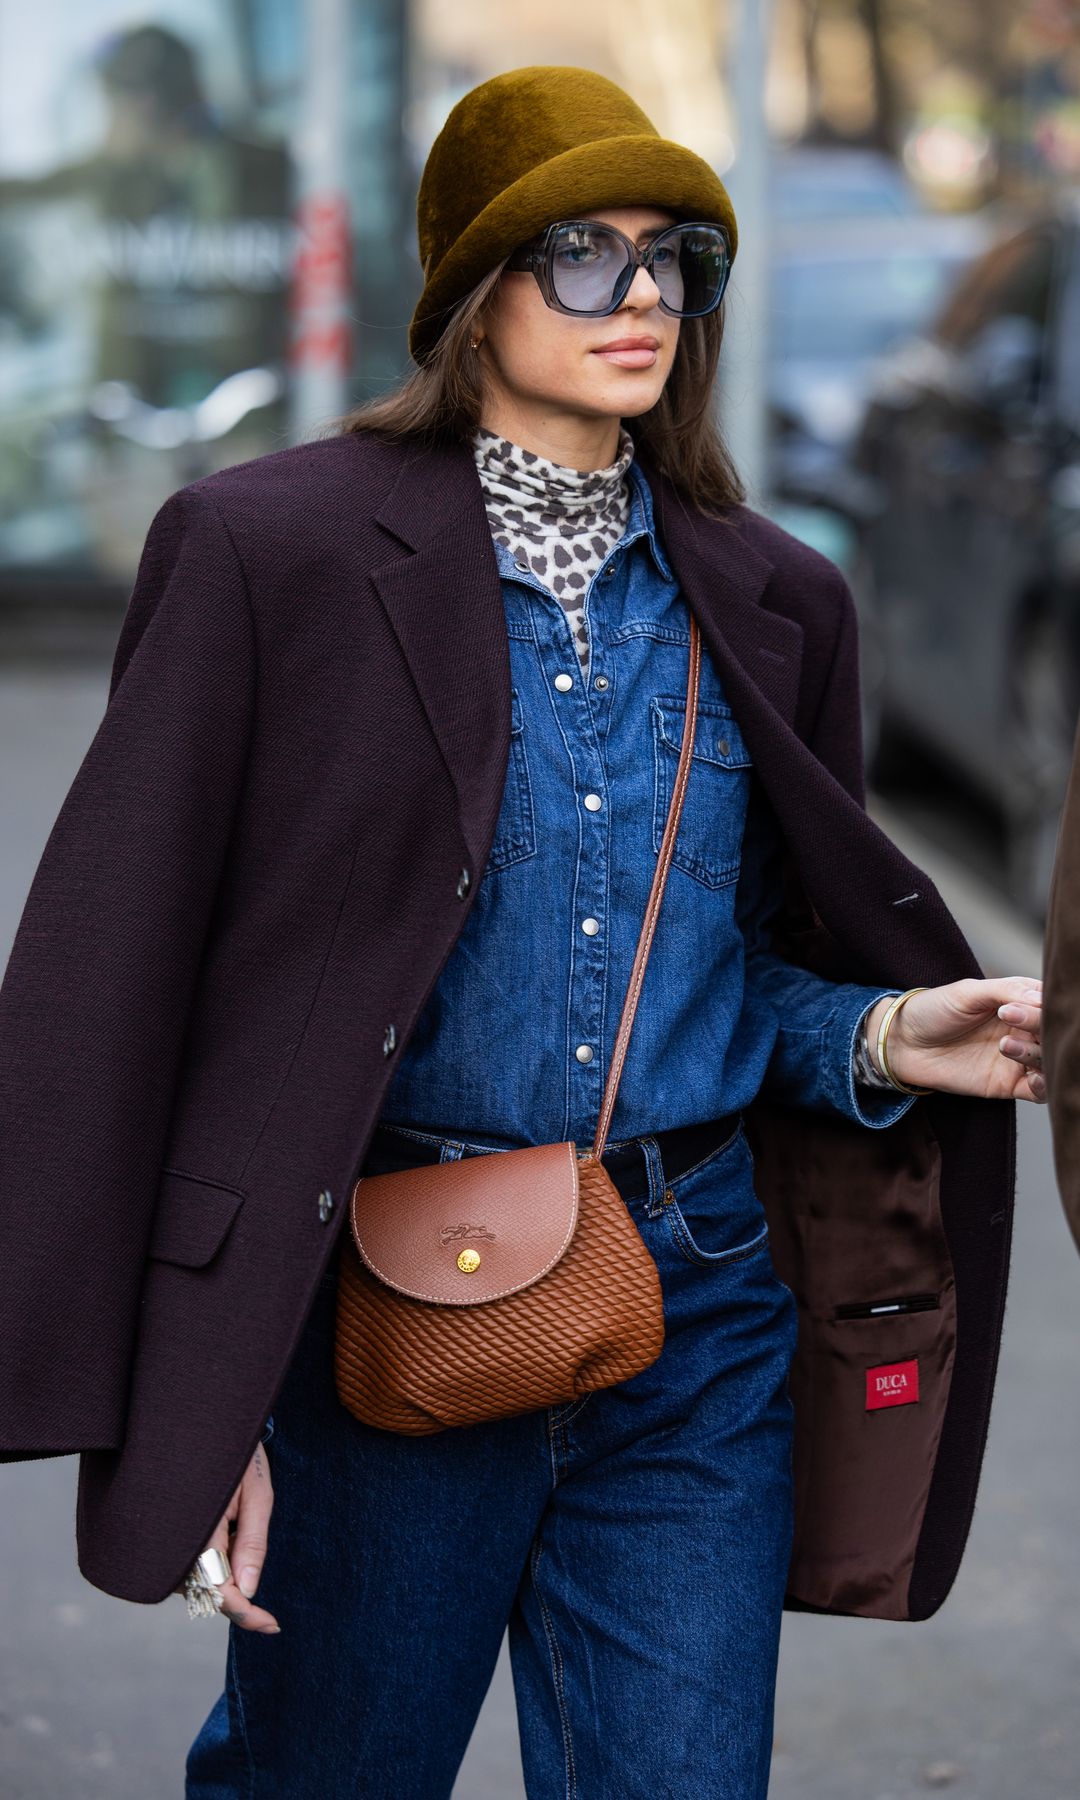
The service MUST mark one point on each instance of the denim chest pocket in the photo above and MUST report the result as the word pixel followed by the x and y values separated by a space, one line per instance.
pixel 515 830
pixel 708 845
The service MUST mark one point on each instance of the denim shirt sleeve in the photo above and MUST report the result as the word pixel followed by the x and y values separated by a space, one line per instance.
pixel 812 1062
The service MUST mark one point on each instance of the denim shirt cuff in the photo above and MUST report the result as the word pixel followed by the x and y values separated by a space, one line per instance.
pixel 867 1105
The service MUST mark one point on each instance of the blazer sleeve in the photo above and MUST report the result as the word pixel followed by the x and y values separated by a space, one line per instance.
pixel 99 982
pixel 1061 1001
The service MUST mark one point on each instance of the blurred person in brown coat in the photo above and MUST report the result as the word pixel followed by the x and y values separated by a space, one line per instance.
pixel 1061 1001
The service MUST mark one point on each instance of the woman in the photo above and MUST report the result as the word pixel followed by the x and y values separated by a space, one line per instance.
pixel 355 676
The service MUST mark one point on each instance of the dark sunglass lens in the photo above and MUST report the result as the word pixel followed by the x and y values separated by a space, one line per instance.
pixel 586 265
pixel 690 267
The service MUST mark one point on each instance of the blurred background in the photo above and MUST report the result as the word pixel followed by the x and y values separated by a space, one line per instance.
pixel 207 251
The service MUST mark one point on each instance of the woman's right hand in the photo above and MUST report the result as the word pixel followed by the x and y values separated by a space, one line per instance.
pixel 250 1506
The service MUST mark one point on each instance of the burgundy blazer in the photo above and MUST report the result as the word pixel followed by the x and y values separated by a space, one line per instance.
pixel 256 871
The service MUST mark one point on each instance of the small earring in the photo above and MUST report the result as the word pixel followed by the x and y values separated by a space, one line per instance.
pixel 475 343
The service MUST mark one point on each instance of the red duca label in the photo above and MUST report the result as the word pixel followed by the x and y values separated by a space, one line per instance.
pixel 892 1384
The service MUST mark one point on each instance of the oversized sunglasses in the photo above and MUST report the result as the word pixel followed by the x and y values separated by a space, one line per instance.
pixel 584 267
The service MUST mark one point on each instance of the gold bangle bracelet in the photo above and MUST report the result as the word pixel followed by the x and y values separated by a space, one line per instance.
pixel 882 1037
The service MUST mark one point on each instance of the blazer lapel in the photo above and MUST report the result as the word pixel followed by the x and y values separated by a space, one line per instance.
pixel 758 653
pixel 444 601
pixel 443 596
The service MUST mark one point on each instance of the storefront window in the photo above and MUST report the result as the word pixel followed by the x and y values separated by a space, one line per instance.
pixel 153 216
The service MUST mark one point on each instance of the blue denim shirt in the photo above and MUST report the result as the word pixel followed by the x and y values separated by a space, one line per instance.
pixel 514 1041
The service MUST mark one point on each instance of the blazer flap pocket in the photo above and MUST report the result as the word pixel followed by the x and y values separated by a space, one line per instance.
pixel 192 1218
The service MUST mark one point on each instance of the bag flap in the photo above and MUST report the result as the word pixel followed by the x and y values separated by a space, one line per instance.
pixel 460 1232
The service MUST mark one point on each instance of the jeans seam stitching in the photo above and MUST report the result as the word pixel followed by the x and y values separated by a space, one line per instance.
pixel 518 850
pixel 685 1243
pixel 241 1711
pixel 560 1417
pixel 555 1657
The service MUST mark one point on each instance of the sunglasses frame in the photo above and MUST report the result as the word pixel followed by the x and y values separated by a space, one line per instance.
pixel 537 254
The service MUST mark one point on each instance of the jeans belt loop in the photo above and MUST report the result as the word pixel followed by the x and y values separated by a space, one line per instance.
pixel 654 1200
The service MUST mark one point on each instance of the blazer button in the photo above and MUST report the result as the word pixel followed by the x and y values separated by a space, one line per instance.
pixel 389 1040
pixel 326 1204
pixel 464 882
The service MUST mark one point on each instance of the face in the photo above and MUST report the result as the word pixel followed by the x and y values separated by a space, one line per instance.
pixel 540 362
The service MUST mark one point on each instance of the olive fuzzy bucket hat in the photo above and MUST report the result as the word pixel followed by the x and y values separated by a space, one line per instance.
pixel 529 146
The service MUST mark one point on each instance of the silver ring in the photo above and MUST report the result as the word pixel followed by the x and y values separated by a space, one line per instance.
pixel 213 1567
pixel 202 1583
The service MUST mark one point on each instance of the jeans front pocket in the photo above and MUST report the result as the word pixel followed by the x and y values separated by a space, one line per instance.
pixel 515 830
pixel 708 845
pixel 713 1212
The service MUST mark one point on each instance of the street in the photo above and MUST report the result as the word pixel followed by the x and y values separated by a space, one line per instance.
pixel 99 1699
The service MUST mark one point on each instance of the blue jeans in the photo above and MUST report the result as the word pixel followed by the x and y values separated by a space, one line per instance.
pixel 635 1543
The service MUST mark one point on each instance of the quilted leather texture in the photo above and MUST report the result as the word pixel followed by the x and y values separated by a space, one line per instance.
pixel 595 1319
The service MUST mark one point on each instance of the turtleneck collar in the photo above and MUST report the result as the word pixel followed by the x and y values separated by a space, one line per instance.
pixel 553 493
pixel 558 523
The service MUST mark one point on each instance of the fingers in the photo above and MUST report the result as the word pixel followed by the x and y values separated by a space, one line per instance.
pixel 237 1607
pixel 1028 1016
pixel 1019 987
pixel 253 1523
pixel 1023 1011
pixel 978 993
pixel 1027 1051
pixel 250 1505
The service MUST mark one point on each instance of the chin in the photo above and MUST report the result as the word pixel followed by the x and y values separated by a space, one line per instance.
pixel 624 398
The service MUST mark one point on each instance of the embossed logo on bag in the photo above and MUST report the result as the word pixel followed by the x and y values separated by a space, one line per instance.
pixel 892 1384
pixel 452 1234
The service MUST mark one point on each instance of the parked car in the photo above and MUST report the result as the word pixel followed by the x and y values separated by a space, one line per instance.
pixel 842 295
pixel 969 577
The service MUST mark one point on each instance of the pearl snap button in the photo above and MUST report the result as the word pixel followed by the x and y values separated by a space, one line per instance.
pixel 593 803
pixel 601 681
pixel 563 682
pixel 584 1053
pixel 723 746
pixel 590 927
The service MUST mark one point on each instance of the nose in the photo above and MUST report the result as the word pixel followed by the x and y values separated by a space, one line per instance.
pixel 643 291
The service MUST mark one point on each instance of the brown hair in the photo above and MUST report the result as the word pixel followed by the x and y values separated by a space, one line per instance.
pixel 441 402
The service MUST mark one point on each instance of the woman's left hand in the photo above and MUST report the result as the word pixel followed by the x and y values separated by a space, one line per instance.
pixel 968 1037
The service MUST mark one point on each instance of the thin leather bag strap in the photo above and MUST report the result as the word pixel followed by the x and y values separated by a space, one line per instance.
pixel 656 894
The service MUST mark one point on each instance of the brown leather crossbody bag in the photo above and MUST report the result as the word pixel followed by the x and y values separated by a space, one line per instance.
pixel 507 1280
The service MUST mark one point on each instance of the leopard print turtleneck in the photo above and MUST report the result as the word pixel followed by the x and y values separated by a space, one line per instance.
pixel 562 522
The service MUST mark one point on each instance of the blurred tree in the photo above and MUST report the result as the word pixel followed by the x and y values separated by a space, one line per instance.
pixel 871 66
pixel 885 133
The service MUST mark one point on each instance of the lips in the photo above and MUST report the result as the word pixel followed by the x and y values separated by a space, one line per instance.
pixel 630 343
